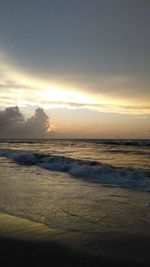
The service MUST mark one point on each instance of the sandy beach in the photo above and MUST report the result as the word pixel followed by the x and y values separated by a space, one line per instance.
pixel 26 243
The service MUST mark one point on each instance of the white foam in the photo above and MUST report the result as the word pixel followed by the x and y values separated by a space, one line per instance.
pixel 90 171
pixel 102 173
pixel 20 157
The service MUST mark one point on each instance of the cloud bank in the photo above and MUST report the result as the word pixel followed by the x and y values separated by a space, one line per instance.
pixel 14 125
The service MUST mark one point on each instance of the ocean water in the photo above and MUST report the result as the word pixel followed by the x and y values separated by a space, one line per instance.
pixel 78 185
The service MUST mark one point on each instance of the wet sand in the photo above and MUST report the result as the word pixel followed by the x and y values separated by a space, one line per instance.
pixel 26 243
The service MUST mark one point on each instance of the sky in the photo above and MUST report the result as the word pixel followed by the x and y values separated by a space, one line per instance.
pixel 83 63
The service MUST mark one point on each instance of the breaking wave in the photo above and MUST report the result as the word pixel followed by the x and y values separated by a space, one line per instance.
pixel 91 171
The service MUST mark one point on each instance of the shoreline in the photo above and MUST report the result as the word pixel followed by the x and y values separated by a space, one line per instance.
pixel 26 243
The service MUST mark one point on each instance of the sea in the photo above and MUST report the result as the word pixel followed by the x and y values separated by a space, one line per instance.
pixel 78 185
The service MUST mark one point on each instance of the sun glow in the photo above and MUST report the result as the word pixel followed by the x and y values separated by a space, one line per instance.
pixel 59 94
pixel 47 91
pixel 19 87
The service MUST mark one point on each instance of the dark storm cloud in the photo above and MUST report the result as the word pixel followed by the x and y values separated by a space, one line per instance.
pixel 13 124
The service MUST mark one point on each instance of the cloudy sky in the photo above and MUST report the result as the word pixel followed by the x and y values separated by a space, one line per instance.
pixel 85 62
